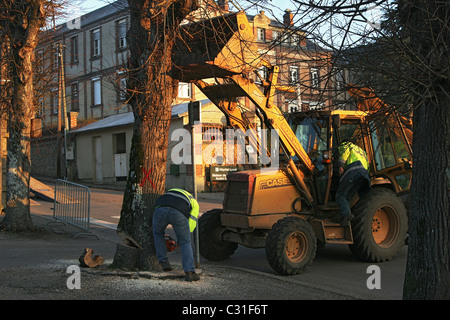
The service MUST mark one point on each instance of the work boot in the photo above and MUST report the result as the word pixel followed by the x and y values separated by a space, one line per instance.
pixel 165 265
pixel 191 276
pixel 346 220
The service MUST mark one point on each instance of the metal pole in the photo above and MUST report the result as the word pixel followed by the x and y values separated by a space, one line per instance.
pixel 63 93
pixel 194 181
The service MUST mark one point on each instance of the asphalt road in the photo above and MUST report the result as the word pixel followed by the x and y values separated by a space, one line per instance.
pixel 335 269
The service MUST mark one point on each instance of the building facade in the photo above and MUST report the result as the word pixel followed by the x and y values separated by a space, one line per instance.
pixel 93 51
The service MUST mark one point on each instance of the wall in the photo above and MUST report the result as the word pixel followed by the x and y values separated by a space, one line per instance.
pixel 44 157
pixel 86 152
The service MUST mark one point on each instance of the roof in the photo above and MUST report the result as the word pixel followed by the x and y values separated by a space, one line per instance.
pixel 91 17
pixel 123 119
pixel 116 120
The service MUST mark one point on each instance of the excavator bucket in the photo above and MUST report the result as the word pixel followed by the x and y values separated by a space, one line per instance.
pixel 217 47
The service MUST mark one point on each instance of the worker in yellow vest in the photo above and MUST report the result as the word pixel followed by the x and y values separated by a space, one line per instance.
pixel 354 170
pixel 180 209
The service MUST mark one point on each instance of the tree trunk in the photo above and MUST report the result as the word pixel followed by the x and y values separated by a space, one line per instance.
pixel 26 20
pixel 428 265
pixel 151 92
pixel 427 272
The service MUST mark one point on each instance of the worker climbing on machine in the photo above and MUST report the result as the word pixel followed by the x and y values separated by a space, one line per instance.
pixel 354 177
pixel 180 209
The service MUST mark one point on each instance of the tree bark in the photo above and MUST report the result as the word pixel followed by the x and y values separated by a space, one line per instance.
pixel 427 272
pixel 151 92
pixel 428 265
pixel 27 17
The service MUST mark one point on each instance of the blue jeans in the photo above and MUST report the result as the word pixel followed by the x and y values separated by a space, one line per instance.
pixel 351 182
pixel 164 216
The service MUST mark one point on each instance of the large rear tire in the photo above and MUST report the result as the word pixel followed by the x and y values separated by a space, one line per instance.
pixel 212 247
pixel 291 246
pixel 380 226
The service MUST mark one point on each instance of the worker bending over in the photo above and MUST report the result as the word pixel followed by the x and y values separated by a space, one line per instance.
pixel 180 209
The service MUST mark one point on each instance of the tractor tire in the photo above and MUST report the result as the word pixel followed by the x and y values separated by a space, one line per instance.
pixel 291 246
pixel 211 245
pixel 380 226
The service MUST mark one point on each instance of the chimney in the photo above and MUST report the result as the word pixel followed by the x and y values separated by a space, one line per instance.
pixel 223 5
pixel 288 18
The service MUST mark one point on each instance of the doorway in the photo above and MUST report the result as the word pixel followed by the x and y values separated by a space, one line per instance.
pixel 97 144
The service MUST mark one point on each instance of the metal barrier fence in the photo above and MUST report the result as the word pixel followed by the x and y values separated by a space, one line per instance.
pixel 72 204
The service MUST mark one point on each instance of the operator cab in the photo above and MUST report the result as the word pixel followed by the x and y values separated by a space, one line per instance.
pixel 386 145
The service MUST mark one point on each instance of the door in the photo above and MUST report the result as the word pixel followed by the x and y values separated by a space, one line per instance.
pixel 120 165
pixel 98 159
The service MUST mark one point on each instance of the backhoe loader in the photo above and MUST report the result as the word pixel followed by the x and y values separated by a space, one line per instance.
pixel 290 210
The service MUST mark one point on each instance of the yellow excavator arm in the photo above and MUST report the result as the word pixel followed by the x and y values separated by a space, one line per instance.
pixel 223 49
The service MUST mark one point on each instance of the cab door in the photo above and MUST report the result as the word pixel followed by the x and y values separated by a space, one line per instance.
pixel 391 151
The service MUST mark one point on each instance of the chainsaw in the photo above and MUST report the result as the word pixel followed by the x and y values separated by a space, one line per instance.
pixel 170 243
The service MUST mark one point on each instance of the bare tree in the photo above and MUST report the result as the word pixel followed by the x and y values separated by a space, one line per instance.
pixel 152 34
pixel 426 34
pixel 405 57
pixel 20 24
pixel 417 34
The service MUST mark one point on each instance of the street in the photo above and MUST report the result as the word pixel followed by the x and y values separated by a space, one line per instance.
pixel 334 269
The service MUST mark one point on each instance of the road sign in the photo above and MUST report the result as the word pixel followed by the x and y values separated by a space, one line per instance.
pixel 219 173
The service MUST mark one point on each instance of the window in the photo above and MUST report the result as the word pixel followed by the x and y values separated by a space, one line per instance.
pixel 261 34
pixel 54 101
pixel 262 74
pixel 122 33
pixel 97 91
pixel 295 40
pixel 122 89
pixel 211 132
pixel 276 35
pixel 340 81
pixel 40 62
pixel 56 57
pixel 40 109
pixel 184 90
pixel 314 78
pixel 293 74
pixel 96 45
pixel 120 144
pixel 284 38
pixel 312 134
pixel 75 99
pixel 74 50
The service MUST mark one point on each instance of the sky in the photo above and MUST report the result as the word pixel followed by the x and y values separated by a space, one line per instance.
pixel 274 9
pixel 281 5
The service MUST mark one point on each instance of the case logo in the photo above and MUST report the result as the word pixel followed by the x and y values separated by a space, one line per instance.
pixel 274 183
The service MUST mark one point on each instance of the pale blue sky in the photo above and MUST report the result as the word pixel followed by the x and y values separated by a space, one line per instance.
pixel 281 5
pixel 275 9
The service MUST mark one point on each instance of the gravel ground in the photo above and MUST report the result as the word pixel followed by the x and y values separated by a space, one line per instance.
pixel 34 266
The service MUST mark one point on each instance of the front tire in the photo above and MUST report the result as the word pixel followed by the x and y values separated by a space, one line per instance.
pixel 211 246
pixel 291 246
pixel 380 226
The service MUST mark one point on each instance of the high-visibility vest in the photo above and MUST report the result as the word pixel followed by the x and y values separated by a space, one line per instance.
pixel 193 217
pixel 350 153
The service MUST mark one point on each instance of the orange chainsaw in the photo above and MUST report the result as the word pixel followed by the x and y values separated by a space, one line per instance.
pixel 170 243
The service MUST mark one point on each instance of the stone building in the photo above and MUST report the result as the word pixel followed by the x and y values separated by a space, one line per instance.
pixel 94 52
